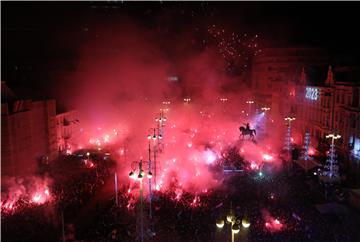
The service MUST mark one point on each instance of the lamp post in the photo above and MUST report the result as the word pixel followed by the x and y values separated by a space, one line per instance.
pixel 333 137
pixel 250 102
pixel 161 122
pixel 235 222
pixel 223 100
pixel 155 137
pixel 166 102
pixel 140 175
pixel 332 168
pixel 187 100
pixel 265 109
pixel 288 119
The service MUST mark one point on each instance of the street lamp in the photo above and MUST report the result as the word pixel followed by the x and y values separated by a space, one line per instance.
pixel 250 102
pixel 223 100
pixel 333 137
pixel 288 119
pixel 161 121
pixel 332 169
pixel 140 176
pixel 187 100
pixel 155 137
pixel 265 109
pixel 235 223
pixel 166 102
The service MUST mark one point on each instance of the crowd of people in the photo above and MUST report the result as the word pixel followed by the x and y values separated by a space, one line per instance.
pixel 283 197
pixel 73 185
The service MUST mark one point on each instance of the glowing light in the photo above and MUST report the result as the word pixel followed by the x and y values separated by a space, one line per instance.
pixel 245 223
pixel 267 157
pixel 220 223
pixel 106 138
pixel 36 198
pixel 210 157
pixel 254 166
pixel 311 151
pixel 312 93
pixel 132 175
pixel 149 175
pixel 274 225
pixel 47 192
pixel 235 228
pixel 187 100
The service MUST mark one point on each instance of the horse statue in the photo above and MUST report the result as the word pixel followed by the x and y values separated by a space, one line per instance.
pixel 247 131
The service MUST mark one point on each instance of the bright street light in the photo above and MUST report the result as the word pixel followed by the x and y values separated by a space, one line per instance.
pixel 333 137
pixel 140 177
pixel 235 223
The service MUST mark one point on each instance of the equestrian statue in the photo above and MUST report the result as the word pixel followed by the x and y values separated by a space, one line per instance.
pixel 247 131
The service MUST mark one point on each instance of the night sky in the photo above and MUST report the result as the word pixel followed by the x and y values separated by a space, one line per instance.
pixel 43 38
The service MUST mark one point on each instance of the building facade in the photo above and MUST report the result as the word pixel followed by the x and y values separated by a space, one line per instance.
pixel 275 70
pixel 332 107
pixel 67 131
pixel 28 135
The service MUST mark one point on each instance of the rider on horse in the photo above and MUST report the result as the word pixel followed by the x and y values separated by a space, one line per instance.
pixel 247 131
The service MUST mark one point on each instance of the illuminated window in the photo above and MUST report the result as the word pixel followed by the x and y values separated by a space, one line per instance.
pixel 312 93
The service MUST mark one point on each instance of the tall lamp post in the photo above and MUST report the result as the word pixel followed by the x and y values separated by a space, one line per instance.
pixel 155 137
pixel 235 222
pixel 288 134
pixel 265 109
pixel 223 100
pixel 139 176
pixel 250 102
pixel 332 171
pixel 160 123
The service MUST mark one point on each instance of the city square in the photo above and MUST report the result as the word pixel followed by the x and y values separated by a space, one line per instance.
pixel 180 121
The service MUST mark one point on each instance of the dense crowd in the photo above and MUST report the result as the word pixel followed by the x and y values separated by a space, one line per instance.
pixel 74 184
pixel 284 197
